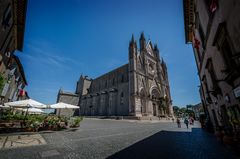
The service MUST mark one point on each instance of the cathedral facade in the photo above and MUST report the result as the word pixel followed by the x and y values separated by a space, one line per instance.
pixel 139 88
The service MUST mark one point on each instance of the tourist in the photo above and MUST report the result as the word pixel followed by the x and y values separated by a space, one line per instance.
pixel 186 122
pixel 192 120
pixel 178 123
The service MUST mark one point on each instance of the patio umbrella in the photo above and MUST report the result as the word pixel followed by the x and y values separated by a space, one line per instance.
pixel 3 106
pixel 63 106
pixel 33 110
pixel 26 104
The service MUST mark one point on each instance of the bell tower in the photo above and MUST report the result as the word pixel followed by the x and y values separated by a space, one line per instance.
pixel 132 76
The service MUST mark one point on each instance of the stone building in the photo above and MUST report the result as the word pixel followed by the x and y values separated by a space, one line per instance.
pixel 213 29
pixel 70 98
pixel 12 23
pixel 14 82
pixel 139 88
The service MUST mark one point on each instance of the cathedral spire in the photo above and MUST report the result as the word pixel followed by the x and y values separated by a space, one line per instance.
pixel 156 48
pixel 156 51
pixel 142 42
pixel 132 47
pixel 142 36
pixel 132 40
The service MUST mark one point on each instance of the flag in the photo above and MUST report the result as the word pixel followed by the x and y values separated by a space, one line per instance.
pixel 196 43
pixel 213 6
pixel 22 92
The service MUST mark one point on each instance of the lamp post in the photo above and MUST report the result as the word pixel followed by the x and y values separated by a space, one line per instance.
pixel 28 106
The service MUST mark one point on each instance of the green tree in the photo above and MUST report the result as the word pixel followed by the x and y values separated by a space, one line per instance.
pixel 175 110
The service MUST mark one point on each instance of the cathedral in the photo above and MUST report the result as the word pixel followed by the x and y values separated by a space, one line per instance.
pixel 139 88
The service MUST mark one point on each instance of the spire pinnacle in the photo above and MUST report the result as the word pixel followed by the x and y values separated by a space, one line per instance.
pixel 155 47
pixel 142 36
pixel 132 40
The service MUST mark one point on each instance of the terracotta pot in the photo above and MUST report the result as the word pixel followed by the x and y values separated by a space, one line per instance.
pixel 29 129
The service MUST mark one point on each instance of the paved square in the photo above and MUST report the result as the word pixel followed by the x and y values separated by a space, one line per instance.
pixel 98 139
pixel 13 141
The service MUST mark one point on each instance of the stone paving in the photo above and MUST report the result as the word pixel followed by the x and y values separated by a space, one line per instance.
pixel 124 139
pixel 13 141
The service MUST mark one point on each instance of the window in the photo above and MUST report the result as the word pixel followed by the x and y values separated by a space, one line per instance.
pixel 7 17
pixel 196 20
pixel 122 78
pixel 223 43
pixel 227 54
pixel 216 90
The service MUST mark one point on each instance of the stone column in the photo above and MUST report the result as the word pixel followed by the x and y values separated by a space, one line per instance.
pixel 110 104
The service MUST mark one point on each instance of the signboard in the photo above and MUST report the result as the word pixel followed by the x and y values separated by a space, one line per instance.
pixel 237 92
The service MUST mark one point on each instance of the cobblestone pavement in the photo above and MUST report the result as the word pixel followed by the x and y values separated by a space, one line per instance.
pixel 13 141
pixel 124 139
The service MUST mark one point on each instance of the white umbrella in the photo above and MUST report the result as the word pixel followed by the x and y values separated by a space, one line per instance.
pixel 33 110
pixel 63 106
pixel 25 104
pixel 3 106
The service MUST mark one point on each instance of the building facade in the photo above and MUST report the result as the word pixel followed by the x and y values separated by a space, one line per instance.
pixel 70 98
pixel 213 29
pixel 139 88
pixel 12 24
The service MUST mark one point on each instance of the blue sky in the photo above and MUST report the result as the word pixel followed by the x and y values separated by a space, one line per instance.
pixel 64 38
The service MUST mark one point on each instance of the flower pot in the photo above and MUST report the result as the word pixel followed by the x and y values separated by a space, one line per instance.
pixel 28 129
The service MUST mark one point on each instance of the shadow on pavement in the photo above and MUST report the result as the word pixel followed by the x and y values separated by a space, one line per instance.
pixel 172 145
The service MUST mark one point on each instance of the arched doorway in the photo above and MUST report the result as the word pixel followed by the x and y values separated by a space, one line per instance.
pixel 155 97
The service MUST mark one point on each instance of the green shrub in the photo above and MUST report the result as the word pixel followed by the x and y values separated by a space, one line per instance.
pixel 52 120
pixel 76 121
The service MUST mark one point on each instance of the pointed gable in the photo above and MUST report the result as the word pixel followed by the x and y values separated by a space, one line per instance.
pixel 149 48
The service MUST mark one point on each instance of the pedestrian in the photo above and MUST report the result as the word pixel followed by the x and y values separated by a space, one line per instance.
pixel 192 121
pixel 173 120
pixel 186 122
pixel 178 123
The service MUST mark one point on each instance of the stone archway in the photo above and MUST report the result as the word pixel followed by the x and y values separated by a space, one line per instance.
pixel 155 97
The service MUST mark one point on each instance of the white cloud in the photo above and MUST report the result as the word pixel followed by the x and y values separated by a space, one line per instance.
pixel 46 55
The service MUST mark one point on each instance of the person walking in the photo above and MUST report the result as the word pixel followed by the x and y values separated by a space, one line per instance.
pixel 186 122
pixel 178 123
pixel 192 121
